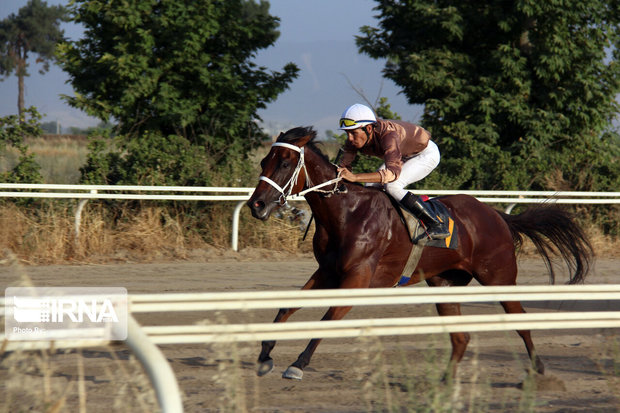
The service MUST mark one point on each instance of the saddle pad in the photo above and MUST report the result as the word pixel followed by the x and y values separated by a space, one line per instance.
pixel 420 239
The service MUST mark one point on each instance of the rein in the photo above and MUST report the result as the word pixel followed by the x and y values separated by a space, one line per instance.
pixel 290 184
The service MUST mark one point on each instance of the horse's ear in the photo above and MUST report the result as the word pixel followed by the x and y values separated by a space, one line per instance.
pixel 306 138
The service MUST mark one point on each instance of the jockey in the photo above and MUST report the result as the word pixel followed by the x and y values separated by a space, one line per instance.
pixel 408 152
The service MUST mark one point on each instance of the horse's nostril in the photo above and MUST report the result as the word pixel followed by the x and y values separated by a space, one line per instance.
pixel 259 209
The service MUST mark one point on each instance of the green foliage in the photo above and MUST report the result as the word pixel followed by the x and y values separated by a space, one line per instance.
pixel 176 70
pixel 149 159
pixel 13 130
pixel 154 159
pixel 515 91
pixel 35 29
pixel 384 110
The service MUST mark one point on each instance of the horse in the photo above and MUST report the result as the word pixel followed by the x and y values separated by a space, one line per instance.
pixel 360 241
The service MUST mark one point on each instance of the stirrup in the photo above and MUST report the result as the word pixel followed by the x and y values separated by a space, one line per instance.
pixel 436 232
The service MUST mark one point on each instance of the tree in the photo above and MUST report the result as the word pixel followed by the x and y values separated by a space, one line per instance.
pixel 51 127
pixel 519 94
pixel 35 29
pixel 13 130
pixel 176 67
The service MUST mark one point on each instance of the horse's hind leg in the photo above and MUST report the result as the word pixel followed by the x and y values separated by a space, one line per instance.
pixel 265 362
pixel 459 340
pixel 506 274
pixel 515 307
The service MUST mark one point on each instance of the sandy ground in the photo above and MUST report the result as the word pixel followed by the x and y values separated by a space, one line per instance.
pixel 346 375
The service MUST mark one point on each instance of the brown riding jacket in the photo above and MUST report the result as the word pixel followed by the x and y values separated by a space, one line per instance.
pixel 393 141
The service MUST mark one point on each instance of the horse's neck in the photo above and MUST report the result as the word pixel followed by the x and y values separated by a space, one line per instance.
pixel 319 171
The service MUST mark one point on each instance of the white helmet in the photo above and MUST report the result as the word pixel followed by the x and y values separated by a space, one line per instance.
pixel 356 116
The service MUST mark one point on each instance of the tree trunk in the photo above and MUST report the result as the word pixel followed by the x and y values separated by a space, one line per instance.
pixel 21 73
pixel 20 96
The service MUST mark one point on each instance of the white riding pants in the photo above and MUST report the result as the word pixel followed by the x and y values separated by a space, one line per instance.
pixel 413 170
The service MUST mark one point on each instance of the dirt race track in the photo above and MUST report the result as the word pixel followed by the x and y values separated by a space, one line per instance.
pixel 345 375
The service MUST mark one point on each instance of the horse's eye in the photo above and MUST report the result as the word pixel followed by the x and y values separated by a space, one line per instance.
pixel 285 164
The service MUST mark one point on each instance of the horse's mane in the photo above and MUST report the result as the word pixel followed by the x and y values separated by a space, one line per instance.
pixel 293 135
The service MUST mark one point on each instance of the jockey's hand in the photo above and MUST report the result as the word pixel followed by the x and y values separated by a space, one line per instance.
pixel 347 175
pixel 369 177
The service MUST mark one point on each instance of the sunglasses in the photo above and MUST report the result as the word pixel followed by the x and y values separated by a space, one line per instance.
pixel 344 122
pixel 347 122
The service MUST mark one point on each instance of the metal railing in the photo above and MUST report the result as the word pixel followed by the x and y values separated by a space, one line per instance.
pixel 241 194
pixel 143 340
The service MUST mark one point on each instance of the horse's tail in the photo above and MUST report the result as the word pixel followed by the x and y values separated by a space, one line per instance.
pixel 553 231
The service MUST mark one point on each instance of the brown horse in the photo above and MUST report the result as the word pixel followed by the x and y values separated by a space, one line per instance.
pixel 361 242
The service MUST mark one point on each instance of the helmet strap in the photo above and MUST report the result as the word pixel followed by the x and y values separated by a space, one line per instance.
pixel 367 135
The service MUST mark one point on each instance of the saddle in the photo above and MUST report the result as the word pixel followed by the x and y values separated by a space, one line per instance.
pixel 418 235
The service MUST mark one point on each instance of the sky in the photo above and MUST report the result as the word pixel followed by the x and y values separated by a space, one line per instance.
pixel 318 36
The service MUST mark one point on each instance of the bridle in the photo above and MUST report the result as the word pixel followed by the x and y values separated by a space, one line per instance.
pixel 287 189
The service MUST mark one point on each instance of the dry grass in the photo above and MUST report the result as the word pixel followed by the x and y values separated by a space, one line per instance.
pixel 60 157
pixel 62 380
pixel 45 233
pixel 144 232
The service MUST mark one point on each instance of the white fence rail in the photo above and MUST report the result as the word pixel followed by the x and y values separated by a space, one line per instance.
pixel 143 340
pixel 242 194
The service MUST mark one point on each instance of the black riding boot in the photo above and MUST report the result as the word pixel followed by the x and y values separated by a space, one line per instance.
pixel 434 227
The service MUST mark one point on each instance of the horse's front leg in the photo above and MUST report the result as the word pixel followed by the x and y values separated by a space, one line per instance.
pixel 358 276
pixel 265 362
pixel 295 370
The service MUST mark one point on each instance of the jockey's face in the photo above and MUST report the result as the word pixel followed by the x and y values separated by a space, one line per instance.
pixel 358 137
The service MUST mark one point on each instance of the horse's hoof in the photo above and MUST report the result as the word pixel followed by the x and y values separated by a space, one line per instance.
pixel 264 367
pixel 293 373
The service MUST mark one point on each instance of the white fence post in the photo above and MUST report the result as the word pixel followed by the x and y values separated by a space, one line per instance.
pixel 235 225
pixel 159 371
pixel 78 217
